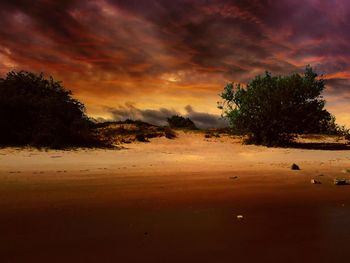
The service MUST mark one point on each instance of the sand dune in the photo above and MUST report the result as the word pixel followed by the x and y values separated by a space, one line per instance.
pixel 174 201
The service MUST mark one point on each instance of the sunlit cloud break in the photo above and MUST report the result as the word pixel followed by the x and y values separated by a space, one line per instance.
pixel 170 54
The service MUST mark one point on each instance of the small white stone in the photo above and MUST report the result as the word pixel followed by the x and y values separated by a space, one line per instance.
pixel 239 217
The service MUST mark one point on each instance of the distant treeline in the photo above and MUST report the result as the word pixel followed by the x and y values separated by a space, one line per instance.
pixel 175 121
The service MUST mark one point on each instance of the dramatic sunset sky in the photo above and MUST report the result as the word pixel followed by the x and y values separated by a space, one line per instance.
pixel 149 59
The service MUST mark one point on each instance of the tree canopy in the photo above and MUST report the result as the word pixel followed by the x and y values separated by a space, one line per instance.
pixel 39 111
pixel 271 110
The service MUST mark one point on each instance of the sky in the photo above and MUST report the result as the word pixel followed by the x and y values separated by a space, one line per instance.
pixel 149 59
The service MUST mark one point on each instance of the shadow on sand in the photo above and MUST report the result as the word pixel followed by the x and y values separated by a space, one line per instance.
pixel 321 146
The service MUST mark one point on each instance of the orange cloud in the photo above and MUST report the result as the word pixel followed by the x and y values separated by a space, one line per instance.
pixel 166 53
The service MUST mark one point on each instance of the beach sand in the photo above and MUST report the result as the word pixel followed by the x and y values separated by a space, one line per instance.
pixel 185 200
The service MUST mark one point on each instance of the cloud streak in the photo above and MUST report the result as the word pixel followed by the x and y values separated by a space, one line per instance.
pixel 202 120
pixel 167 54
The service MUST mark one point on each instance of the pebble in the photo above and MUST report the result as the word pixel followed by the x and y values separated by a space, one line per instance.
pixel 313 181
pixel 295 167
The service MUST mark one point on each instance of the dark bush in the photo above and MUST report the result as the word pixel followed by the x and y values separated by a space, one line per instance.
pixel 39 112
pixel 177 121
pixel 141 137
pixel 169 133
pixel 210 134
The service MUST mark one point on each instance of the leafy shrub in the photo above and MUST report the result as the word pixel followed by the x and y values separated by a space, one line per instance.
pixel 39 112
pixel 272 110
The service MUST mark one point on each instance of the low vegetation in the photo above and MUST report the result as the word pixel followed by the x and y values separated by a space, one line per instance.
pixel 128 131
pixel 169 133
pixel 179 122
pixel 211 134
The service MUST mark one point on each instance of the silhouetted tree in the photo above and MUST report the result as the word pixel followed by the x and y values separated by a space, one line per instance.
pixel 177 121
pixel 40 112
pixel 273 109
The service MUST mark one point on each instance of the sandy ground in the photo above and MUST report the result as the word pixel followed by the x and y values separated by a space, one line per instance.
pixel 174 201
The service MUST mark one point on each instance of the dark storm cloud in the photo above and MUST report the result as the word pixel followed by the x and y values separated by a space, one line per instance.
pixel 213 34
pixel 206 35
pixel 202 120
pixel 129 111
pixel 45 33
pixel 338 86
pixel 124 37
pixel 205 120
pixel 140 45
